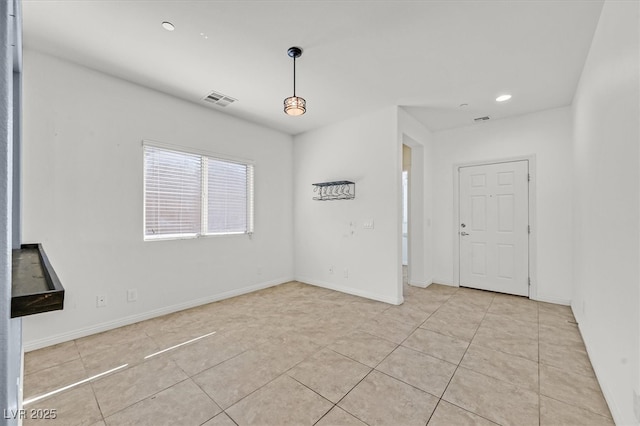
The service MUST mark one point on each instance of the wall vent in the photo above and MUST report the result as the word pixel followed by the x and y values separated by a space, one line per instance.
pixel 219 99
pixel 485 118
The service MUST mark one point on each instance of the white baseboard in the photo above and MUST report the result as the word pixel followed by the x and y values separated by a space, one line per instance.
pixel 606 392
pixel 109 325
pixel 548 299
pixel 349 290
pixel 421 284
pixel 551 299
pixel 443 281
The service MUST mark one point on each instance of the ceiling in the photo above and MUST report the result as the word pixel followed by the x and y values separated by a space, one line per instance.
pixel 359 56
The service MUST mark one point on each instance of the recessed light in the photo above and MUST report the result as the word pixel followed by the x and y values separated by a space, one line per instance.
pixel 463 105
pixel 168 26
pixel 503 98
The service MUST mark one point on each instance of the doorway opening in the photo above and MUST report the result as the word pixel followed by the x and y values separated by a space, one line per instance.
pixel 412 260
pixel 406 167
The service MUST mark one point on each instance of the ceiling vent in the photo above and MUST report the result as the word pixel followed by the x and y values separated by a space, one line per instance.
pixel 219 99
pixel 479 119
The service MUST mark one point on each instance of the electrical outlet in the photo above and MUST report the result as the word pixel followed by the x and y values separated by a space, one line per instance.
pixel 636 404
pixel 132 295
pixel 101 301
pixel 331 269
pixel 584 307
pixel 259 270
pixel 346 272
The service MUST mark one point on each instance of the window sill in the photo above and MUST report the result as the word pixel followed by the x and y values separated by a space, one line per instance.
pixel 195 237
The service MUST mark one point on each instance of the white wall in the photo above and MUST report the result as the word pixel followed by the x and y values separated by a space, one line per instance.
pixel 364 150
pixel 606 206
pixel 83 183
pixel 547 135
pixel 420 139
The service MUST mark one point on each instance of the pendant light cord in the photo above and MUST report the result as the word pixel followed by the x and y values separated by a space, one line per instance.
pixel 293 105
pixel 294 76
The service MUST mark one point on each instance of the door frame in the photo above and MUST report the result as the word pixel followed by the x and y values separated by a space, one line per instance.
pixel 533 243
pixel 417 250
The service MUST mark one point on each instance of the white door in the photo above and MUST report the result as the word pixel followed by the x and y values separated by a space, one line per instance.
pixel 494 227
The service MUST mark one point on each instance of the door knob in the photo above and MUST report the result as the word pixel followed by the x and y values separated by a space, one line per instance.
pixel 464 234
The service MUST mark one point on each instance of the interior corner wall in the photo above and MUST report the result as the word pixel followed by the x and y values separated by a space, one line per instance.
pixel 330 234
pixel 83 200
pixel 547 135
pixel 421 198
pixel 606 239
pixel 10 328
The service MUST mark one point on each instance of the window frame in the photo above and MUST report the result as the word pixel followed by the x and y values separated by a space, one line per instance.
pixel 205 155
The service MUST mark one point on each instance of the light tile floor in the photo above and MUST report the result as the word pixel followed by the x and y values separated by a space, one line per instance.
pixel 301 355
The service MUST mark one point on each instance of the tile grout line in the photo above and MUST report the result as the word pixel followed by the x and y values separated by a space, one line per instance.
pixel 540 364
pixel 328 348
pixel 95 397
pixel 93 391
pixel 454 371
pixel 367 375
pixel 399 345
pixel 383 313
pixel 458 365
pixel 272 380
pixel 413 331
pixel 470 412
pixel 210 397
pixel 408 384
pixel 56 366
pixel 188 377
pixel 539 384
pixel 577 406
pixel 144 399
pixel 333 404
pixel 226 414
pixel 350 390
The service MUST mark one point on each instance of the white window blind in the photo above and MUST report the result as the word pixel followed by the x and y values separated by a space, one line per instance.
pixel 188 195
pixel 227 189
pixel 173 188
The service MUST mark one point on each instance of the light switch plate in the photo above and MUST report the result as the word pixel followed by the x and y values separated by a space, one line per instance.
pixel 636 404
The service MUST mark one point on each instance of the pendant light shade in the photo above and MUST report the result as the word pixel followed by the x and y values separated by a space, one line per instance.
pixel 295 105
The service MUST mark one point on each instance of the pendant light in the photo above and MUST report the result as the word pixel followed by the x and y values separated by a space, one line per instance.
pixel 295 105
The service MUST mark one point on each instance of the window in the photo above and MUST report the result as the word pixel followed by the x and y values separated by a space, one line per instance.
pixel 189 195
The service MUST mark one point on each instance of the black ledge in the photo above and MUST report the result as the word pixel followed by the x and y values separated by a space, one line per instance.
pixel 35 287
